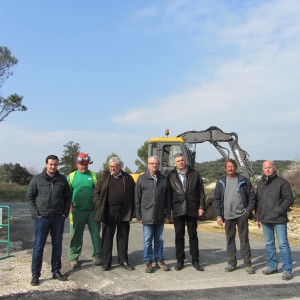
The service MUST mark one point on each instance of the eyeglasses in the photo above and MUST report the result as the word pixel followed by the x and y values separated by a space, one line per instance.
pixel 83 159
pixel 153 163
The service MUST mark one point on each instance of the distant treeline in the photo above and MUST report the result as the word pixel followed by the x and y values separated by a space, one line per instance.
pixel 212 170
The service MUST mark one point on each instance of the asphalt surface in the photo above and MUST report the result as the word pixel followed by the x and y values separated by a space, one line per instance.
pixel 213 283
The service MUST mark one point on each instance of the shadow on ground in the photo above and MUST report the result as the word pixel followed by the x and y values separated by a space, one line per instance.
pixel 280 291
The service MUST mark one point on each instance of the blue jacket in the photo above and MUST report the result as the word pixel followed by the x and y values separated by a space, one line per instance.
pixel 245 189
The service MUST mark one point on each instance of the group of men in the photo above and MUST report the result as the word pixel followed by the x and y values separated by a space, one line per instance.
pixel 112 198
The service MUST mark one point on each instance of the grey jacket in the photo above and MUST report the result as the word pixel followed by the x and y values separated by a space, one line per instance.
pixel 274 197
pixel 49 196
pixel 152 201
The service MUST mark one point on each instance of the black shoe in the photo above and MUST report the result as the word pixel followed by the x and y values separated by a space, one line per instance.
pixel 127 266
pixel 59 276
pixel 197 266
pixel 106 267
pixel 35 280
pixel 179 265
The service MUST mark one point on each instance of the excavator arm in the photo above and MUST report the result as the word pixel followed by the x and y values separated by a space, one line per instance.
pixel 215 136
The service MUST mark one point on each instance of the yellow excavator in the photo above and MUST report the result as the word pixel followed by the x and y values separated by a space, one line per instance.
pixel 166 147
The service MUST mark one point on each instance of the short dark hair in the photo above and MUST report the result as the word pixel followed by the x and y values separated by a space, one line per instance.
pixel 51 157
pixel 230 160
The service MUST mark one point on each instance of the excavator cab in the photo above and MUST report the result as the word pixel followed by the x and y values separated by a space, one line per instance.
pixel 165 148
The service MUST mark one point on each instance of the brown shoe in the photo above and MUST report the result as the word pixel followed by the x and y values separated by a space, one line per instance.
pixel 161 265
pixel 148 267
pixel 74 263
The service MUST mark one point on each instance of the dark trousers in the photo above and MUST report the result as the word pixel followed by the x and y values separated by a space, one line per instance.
pixel 44 225
pixel 179 225
pixel 230 228
pixel 108 231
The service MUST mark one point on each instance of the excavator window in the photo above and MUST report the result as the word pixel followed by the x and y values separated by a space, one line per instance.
pixel 167 163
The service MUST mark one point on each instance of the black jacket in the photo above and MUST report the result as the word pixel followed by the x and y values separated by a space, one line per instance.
pixel 152 201
pixel 186 202
pixel 49 196
pixel 101 193
pixel 274 197
pixel 245 189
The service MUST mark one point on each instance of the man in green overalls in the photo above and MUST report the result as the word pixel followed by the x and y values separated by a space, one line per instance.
pixel 82 212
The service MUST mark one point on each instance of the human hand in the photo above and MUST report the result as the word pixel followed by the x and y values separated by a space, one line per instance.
pixel 258 224
pixel 220 221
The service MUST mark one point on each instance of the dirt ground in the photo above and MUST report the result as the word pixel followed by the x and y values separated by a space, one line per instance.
pixel 15 271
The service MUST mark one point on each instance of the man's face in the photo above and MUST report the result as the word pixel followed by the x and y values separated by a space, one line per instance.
pixel 268 168
pixel 180 163
pixel 153 166
pixel 114 168
pixel 82 168
pixel 51 166
pixel 230 169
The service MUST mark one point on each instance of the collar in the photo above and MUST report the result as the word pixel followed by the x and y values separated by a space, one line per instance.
pixel 117 176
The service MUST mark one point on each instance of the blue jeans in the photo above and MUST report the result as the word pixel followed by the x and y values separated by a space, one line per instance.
pixel 44 225
pixel 153 231
pixel 283 243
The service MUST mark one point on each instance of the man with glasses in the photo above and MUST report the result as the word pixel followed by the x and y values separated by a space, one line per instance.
pixel 49 200
pixel 152 208
pixel 82 183
pixel 187 204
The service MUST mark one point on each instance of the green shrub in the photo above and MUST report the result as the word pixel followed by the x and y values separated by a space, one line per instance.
pixel 12 192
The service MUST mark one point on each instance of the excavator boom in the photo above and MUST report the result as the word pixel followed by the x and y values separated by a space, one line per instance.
pixel 215 136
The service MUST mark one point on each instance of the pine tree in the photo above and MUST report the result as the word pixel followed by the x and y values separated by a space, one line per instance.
pixel 67 163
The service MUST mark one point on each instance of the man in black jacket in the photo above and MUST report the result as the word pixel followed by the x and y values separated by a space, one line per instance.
pixel 187 204
pixel 152 208
pixel 114 200
pixel 49 200
pixel 274 197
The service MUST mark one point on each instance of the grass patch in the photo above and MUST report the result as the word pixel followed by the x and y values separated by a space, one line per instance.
pixel 12 192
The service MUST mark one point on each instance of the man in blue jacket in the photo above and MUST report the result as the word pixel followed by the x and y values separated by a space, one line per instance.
pixel 49 200
pixel 152 208
pixel 234 200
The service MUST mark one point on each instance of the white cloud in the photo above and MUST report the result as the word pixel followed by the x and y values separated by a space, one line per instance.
pixel 256 88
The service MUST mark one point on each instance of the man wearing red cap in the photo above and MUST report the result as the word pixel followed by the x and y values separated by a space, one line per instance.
pixel 82 184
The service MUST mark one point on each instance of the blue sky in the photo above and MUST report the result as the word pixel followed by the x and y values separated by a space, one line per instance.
pixel 111 74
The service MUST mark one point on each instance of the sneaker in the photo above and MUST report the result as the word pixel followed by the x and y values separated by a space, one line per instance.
pixel 74 263
pixel 230 268
pixel 98 261
pixel 148 267
pixel 287 275
pixel 35 280
pixel 250 270
pixel 161 265
pixel 269 271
